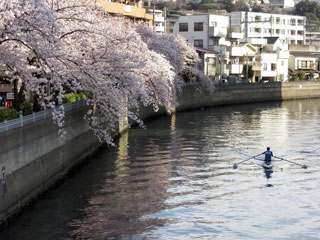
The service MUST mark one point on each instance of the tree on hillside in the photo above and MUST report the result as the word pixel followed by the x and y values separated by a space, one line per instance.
pixel 59 45
pixel 240 6
pixel 311 10
pixel 228 5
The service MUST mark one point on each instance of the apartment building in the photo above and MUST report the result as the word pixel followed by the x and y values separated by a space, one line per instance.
pixel 313 38
pixel 203 31
pixel 284 4
pixel 158 21
pixel 289 28
pixel 130 8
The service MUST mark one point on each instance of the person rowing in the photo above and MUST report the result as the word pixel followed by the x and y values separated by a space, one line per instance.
pixel 268 156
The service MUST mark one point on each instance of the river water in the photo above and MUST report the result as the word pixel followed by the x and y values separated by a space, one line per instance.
pixel 175 180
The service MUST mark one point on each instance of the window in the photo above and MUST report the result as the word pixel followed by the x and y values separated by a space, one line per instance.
pixel 277 31
pixel 213 42
pixel 283 21
pixel 292 21
pixel 282 63
pixel 213 24
pixel 198 43
pixel 293 32
pixel 257 30
pixel 303 64
pixel 198 26
pixel 300 33
pixel 277 20
pixel 183 27
pixel 300 42
pixel 257 18
pixel 265 67
pixel 283 32
pixel 300 22
pixel 273 66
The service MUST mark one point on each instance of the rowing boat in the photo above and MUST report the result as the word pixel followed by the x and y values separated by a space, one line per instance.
pixel 267 165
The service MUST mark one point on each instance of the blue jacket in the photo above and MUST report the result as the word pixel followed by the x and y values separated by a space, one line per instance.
pixel 268 155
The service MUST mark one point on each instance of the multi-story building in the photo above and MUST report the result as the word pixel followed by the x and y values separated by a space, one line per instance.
pixel 282 3
pixel 313 38
pixel 289 28
pixel 157 20
pixel 204 31
pixel 272 61
pixel 268 56
pixel 129 8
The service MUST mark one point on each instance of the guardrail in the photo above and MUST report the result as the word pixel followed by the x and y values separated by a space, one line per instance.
pixel 34 117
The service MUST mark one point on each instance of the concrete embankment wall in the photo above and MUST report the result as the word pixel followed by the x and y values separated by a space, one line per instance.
pixel 33 157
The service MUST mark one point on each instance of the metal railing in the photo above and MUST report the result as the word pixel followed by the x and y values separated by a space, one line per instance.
pixel 34 117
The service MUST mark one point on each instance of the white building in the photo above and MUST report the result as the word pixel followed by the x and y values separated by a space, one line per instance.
pixel 289 28
pixel 272 61
pixel 282 3
pixel 204 31
pixel 157 20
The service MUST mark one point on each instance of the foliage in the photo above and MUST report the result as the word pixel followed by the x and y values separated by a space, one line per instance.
pixel 250 71
pixel 8 114
pixel 281 77
pixel 228 5
pixel 72 97
pixel 311 75
pixel 58 45
pixel 240 6
pixel 257 8
pixel 310 9
pixel 26 108
pixel 293 78
pixel 209 6
pixel 301 75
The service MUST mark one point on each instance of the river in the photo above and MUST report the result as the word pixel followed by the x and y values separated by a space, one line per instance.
pixel 175 180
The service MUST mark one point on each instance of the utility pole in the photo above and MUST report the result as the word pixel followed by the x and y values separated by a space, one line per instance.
pixel 165 19
pixel 247 68
pixel 153 15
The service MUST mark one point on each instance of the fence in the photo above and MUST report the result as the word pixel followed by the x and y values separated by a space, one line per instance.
pixel 34 117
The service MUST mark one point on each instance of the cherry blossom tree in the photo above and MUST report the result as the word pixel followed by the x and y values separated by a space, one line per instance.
pixel 181 55
pixel 54 45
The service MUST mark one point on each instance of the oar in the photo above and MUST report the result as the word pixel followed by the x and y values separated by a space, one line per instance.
pixel 302 165
pixel 236 164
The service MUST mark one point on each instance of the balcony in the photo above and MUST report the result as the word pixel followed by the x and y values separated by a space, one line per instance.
pixel 237 51
pixel 236 35
pixel 256 67
pixel 159 28
pixel 217 32
pixel 5 88
pixel 236 68
pixel 224 70
pixel 158 19
pixel 125 10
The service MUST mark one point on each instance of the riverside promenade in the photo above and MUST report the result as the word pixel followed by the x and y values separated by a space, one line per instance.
pixel 34 157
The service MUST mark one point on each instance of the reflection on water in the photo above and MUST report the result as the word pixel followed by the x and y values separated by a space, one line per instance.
pixel 175 180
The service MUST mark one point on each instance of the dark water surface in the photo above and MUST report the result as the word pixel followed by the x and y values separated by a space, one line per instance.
pixel 175 180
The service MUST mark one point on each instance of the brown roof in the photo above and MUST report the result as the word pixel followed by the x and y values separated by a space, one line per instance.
pixel 303 54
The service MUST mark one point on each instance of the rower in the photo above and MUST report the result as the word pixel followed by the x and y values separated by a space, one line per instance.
pixel 268 155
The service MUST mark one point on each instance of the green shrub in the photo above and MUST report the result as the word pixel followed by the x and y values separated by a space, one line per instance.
pixel 26 108
pixel 8 114
pixel 72 97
